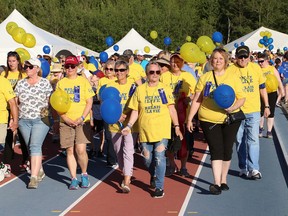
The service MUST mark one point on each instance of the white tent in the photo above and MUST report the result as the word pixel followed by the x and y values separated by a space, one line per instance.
pixel 134 41
pixel 280 40
pixel 43 38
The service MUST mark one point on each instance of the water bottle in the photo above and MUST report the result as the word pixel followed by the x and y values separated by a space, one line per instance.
pixel 132 89
pixel 163 96
pixel 207 88
pixel 77 94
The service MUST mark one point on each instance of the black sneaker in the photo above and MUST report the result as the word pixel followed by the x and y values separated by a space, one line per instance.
pixel 215 189
pixel 158 193
pixel 152 183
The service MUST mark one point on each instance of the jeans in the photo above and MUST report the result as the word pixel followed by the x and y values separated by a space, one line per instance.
pixel 155 160
pixel 247 142
pixel 34 132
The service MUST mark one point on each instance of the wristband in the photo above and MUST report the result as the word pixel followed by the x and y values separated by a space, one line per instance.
pixel 129 125
pixel 267 107
pixel 82 117
pixel 176 126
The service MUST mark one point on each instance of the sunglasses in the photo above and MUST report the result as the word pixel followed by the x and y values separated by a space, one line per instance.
pixel 243 56
pixel 69 66
pixel 109 69
pixel 28 66
pixel 153 72
pixel 260 62
pixel 120 70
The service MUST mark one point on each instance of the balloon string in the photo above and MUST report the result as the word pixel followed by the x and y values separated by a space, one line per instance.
pixel 211 127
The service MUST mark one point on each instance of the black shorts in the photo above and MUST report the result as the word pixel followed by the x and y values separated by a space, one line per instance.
pixel 272 98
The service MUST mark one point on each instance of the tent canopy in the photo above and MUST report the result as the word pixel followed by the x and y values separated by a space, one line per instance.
pixel 134 41
pixel 280 40
pixel 43 38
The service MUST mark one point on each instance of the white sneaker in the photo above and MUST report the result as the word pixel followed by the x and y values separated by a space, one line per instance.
pixel 255 174
pixel 243 173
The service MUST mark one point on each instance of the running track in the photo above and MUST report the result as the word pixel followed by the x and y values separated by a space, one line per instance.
pixel 183 196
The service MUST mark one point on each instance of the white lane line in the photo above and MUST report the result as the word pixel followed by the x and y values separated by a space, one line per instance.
pixel 87 192
pixel 193 183
pixel 25 173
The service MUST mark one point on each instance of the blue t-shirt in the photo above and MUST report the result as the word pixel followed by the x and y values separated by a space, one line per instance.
pixel 283 69
pixel 189 70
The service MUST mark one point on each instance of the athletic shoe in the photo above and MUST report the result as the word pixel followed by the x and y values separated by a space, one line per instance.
pixel 84 181
pixel 269 135
pixel 255 174
pixel 41 175
pixel 113 166
pixel 125 188
pixel 33 184
pixel 261 132
pixel 7 173
pixel 243 173
pixel 74 184
pixel 215 189
pixel 224 187
pixel 184 172
pixel 158 193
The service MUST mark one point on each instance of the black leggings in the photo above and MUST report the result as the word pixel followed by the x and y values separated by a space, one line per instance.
pixel 220 139
pixel 272 98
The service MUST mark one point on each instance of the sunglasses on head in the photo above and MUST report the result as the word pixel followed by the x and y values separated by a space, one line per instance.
pixel 109 69
pixel 120 70
pixel 260 62
pixel 243 56
pixel 70 66
pixel 28 66
pixel 153 72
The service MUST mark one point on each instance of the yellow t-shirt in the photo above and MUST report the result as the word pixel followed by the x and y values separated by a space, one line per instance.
pixel 251 77
pixel 269 70
pixel 136 72
pixel 86 91
pixel 124 93
pixel 104 81
pixel 154 117
pixel 6 93
pixel 13 77
pixel 199 70
pixel 209 111
pixel 187 87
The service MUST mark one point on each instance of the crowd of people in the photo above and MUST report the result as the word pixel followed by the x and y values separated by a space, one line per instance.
pixel 164 101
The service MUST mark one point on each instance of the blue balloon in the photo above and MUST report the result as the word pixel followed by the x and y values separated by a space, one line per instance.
pixel 217 37
pixel 110 93
pixel 109 41
pixel 236 45
pixel 270 40
pixel 111 111
pixel 46 49
pixel 285 48
pixel 265 38
pixel 45 67
pixel 242 44
pixel 101 90
pixel 224 96
pixel 93 61
pixel 116 47
pixel 261 41
pixel 270 47
pixel 167 41
pixel 83 53
pixel 103 57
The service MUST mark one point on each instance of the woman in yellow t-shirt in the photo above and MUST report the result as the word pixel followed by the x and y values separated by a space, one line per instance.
pixel 75 129
pixel 153 105
pixel 267 69
pixel 220 136
pixel 110 75
pixel 14 73
pixel 123 145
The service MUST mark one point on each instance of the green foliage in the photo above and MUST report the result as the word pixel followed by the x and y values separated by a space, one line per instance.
pixel 89 22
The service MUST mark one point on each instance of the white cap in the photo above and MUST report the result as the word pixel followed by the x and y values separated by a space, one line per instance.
pixel 140 52
pixel 34 62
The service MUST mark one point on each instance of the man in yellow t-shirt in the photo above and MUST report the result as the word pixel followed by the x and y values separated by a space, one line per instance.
pixel 247 142
pixel 7 96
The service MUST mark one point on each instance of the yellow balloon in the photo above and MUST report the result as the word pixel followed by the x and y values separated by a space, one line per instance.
pixel 262 33
pixel 23 53
pixel 188 38
pixel 10 27
pixel 202 58
pixel 260 45
pixel 136 51
pixel 271 83
pixel 205 44
pixel 269 34
pixel 189 52
pixel 17 34
pixel 153 34
pixel 147 49
pixel 60 101
pixel 28 40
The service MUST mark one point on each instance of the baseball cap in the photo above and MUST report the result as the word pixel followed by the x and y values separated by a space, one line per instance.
pixel 72 60
pixel 140 52
pixel 34 61
pixel 242 51
pixel 99 73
